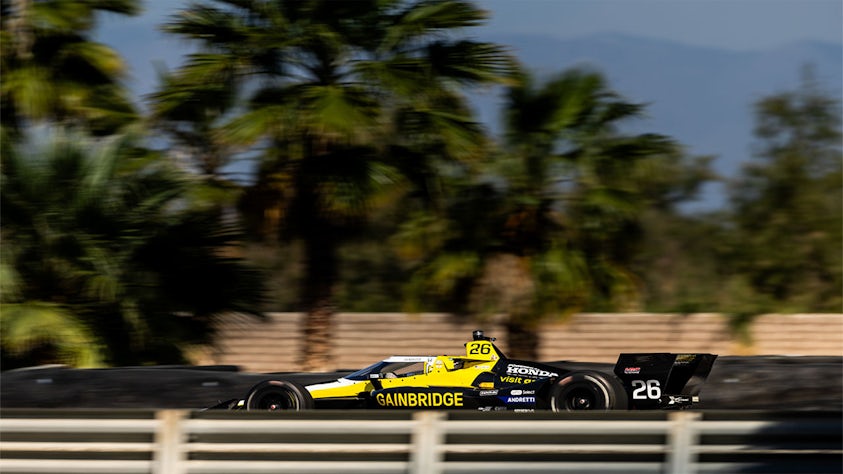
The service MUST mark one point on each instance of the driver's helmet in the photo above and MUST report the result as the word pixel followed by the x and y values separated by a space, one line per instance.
pixel 442 364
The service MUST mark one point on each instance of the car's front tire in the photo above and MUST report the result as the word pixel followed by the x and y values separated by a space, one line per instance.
pixel 588 390
pixel 277 395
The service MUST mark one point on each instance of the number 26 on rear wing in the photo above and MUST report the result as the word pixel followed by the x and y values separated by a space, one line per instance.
pixel 663 380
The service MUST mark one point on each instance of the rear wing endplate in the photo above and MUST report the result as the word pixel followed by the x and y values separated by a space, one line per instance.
pixel 673 374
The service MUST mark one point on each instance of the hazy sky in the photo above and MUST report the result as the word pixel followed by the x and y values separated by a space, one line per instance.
pixel 736 25
pixel 729 24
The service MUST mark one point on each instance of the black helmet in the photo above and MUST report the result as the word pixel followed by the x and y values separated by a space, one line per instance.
pixel 478 335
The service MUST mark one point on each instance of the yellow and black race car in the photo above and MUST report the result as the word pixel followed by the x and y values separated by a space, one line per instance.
pixel 484 379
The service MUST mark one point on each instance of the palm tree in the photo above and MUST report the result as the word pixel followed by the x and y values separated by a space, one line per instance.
pixel 104 259
pixel 53 72
pixel 344 100
pixel 558 208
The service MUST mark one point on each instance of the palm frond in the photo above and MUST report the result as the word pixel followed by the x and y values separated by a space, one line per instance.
pixel 563 282
pixel 429 18
pixel 420 235
pixel 441 278
pixel 251 126
pixel 54 72
pixel 32 91
pixel 59 16
pixel 215 26
pixel 471 62
pixel 94 228
pixel 27 326
pixel 332 110
pixel 92 62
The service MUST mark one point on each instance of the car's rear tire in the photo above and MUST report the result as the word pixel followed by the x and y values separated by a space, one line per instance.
pixel 588 390
pixel 277 395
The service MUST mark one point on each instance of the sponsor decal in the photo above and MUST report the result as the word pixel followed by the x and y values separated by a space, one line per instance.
pixel 632 370
pixel 488 392
pixel 511 379
pixel 515 369
pixel 518 399
pixel 685 358
pixel 518 392
pixel 446 399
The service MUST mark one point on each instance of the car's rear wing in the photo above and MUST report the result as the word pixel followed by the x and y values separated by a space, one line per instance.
pixel 660 380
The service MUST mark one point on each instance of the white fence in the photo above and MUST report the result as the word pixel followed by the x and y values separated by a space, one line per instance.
pixel 183 442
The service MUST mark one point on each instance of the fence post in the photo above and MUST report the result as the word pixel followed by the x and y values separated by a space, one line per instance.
pixel 428 435
pixel 168 441
pixel 681 439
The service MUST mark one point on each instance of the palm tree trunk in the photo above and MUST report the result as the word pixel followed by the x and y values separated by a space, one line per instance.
pixel 523 340
pixel 318 298
pixel 21 28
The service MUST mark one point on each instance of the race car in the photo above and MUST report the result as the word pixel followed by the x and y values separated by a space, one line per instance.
pixel 483 378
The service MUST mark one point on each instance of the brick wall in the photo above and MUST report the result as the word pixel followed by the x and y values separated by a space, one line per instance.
pixel 273 345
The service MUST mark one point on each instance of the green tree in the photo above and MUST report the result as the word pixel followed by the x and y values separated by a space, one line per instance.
pixel 677 252
pixel 787 204
pixel 343 100
pixel 679 261
pixel 548 229
pixel 53 71
pixel 104 260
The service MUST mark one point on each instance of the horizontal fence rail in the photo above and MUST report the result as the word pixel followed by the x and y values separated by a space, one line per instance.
pixel 184 442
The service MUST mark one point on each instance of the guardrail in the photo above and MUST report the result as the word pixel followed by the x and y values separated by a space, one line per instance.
pixel 183 442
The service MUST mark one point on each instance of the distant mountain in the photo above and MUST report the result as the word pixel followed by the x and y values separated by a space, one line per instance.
pixel 700 96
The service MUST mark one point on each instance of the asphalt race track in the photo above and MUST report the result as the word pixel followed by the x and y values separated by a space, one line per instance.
pixel 764 382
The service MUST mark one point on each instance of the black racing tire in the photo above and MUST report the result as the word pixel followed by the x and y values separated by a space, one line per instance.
pixel 588 390
pixel 277 395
